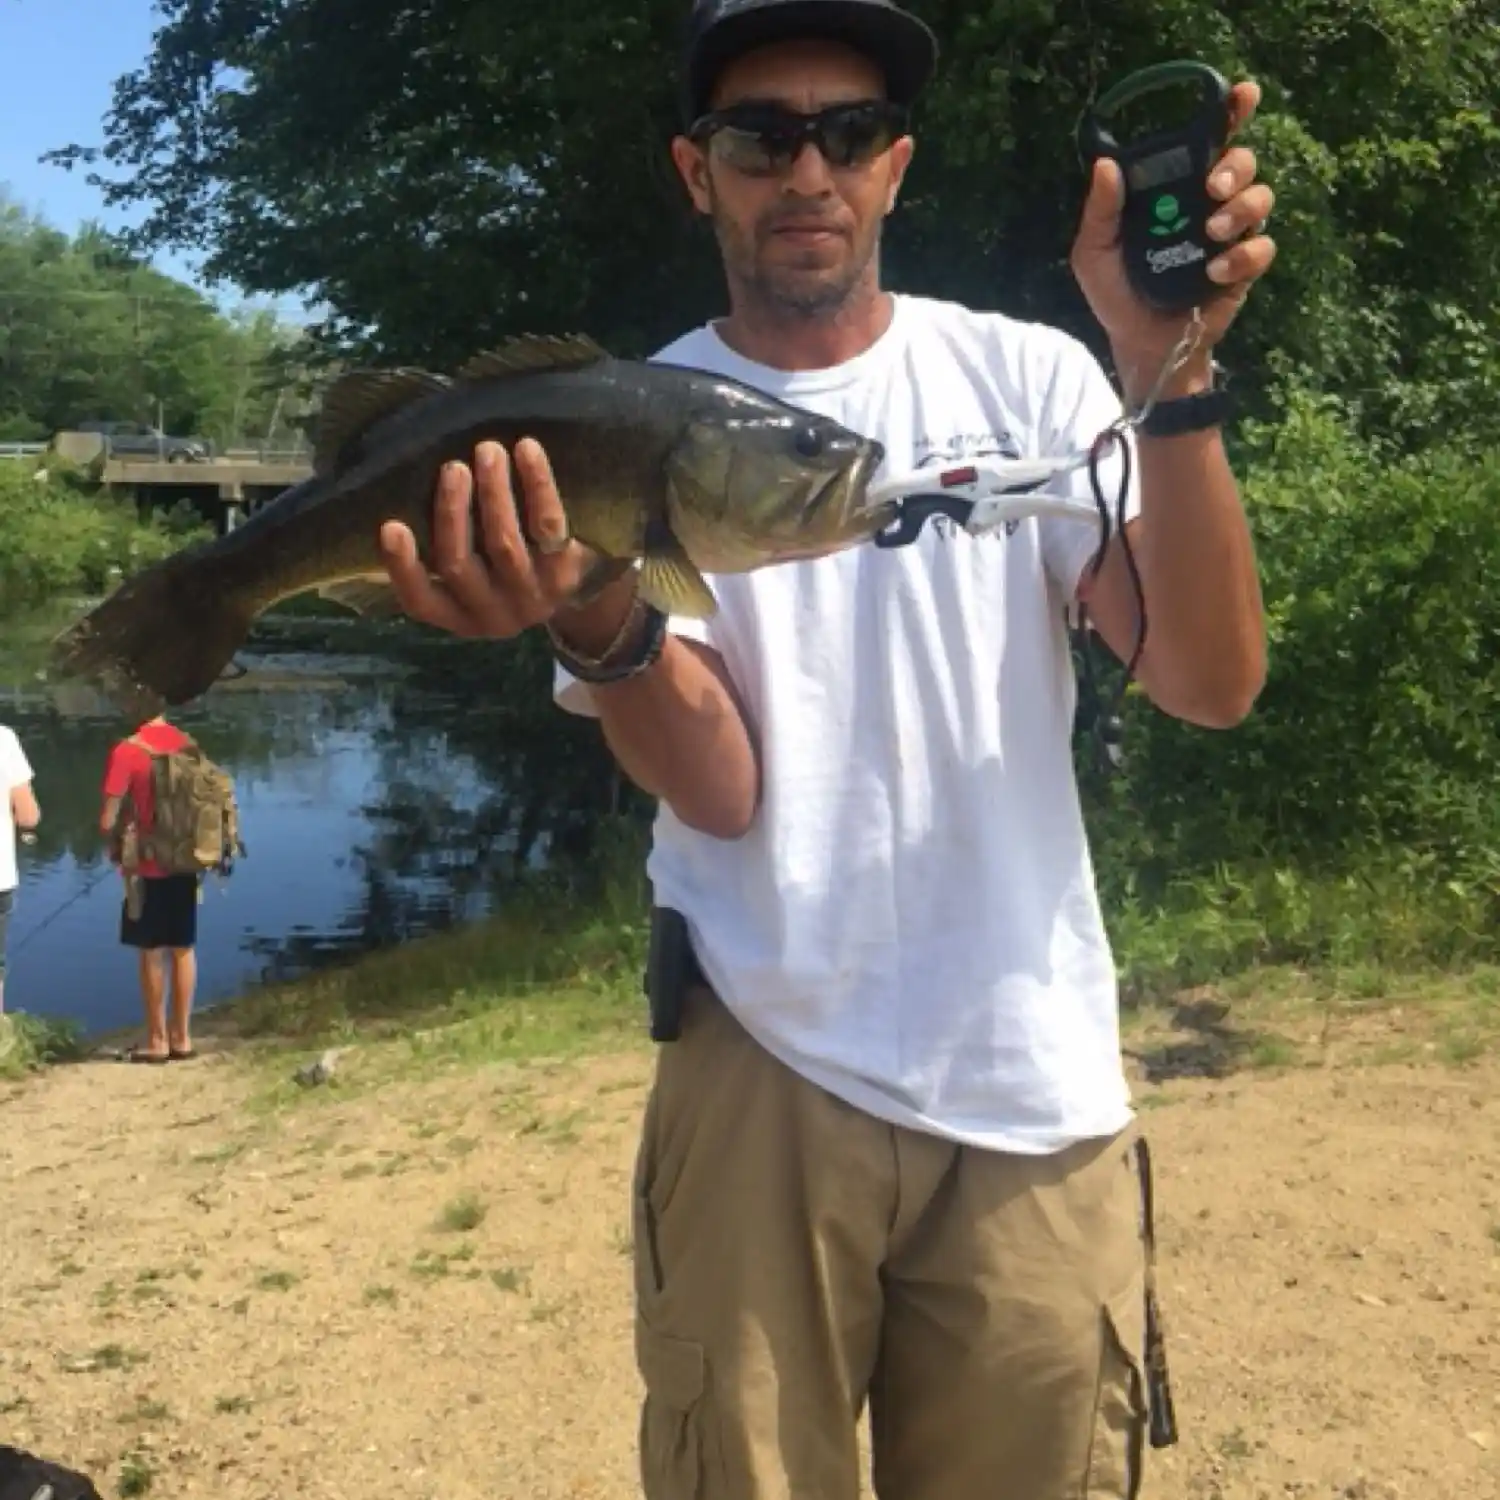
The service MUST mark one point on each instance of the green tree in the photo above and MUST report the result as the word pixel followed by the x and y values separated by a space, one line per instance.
pixel 87 331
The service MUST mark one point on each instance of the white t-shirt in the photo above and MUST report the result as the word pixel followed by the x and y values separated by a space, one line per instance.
pixel 15 770
pixel 911 922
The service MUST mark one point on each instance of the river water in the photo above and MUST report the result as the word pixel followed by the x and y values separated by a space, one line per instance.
pixel 376 769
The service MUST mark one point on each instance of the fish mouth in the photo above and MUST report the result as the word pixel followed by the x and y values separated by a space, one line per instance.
pixel 844 495
pixel 856 506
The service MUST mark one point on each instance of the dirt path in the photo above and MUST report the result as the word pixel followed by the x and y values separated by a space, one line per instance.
pixel 421 1292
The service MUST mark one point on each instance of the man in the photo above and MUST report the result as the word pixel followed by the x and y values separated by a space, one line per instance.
pixel 18 812
pixel 159 911
pixel 890 1157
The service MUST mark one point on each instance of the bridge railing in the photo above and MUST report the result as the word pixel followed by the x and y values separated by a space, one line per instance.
pixel 93 447
pixel 266 455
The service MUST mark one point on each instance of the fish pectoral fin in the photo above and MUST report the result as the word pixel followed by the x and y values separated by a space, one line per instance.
pixel 357 401
pixel 529 353
pixel 373 598
pixel 671 582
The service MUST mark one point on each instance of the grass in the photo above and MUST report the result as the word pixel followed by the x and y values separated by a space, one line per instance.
pixel 1397 914
pixel 559 970
pixel 147 1411
pixel 556 975
pixel 135 1475
pixel 106 1357
pixel 433 1265
pixel 462 1214
pixel 30 1043
pixel 1275 1019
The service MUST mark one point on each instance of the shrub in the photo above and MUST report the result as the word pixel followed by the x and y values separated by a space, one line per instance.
pixel 1357 812
pixel 62 537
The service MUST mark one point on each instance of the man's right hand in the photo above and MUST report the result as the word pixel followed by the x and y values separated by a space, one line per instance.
pixel 509 585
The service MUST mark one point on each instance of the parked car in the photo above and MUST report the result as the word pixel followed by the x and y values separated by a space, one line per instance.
pixel 135 440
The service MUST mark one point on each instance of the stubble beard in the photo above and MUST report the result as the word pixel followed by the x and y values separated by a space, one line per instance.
pixel 787 295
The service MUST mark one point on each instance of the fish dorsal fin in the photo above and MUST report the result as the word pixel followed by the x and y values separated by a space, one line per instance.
pixel 529 353
pixel 356 401
pixel 671 582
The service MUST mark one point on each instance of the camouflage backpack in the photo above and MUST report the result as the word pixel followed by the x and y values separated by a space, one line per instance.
pixel 196 824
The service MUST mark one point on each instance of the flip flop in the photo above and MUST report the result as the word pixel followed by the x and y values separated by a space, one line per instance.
pixel 177 1055
pixel 140 1055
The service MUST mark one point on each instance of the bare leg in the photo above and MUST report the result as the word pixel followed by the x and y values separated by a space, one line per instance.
pixel 154 998
pixel 184 981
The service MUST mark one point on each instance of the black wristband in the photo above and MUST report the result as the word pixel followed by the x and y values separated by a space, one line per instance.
pixel 1194 413
pixel 617 665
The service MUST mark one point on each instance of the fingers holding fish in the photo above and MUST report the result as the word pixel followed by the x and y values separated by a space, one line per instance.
pixel 484 577
pixel 489 586
pixel 531 562
pixel 411 576
pixel 546 520
pixel 412 584
pixel 525 534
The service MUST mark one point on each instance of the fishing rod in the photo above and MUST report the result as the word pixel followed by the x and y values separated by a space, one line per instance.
pixel 91 884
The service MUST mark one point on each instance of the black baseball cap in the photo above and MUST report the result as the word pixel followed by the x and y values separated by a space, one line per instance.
pixel 718 31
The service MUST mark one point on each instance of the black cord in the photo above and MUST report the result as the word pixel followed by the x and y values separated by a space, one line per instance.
pixel 1107 726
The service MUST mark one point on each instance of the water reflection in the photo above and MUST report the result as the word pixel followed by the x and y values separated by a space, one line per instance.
pixel 391 783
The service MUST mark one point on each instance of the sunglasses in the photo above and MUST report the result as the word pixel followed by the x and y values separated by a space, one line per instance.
pixel 763 139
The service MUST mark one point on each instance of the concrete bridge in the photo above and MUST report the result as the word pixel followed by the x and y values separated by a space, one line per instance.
pixel 224 490
pixel 228 488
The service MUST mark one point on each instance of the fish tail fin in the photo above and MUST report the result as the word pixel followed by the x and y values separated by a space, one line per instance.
pixel 163 637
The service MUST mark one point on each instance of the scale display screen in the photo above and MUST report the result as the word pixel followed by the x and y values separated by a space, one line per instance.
pixel 1165 166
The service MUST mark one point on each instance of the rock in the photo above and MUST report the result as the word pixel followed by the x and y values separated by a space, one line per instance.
pixel 310 1075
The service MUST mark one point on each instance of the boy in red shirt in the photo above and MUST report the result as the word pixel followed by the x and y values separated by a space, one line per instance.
pixel 166 921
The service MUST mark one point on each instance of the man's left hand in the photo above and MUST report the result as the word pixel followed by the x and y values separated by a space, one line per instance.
pixel 1141 337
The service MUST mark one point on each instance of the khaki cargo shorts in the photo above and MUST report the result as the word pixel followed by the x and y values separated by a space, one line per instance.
pixel 795 1258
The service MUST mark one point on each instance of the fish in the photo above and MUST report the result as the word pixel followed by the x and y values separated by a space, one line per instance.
pixel 672 470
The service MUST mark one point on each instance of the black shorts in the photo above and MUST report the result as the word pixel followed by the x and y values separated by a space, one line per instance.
pixel 169 914
pixel 7 903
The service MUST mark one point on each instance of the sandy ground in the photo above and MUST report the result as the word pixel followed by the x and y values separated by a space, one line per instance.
pixel 421 1290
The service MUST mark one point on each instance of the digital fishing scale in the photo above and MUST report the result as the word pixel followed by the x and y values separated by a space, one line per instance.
pixel 1164 237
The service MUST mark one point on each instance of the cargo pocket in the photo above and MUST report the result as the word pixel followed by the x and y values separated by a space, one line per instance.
pixel 675 1451
pixel 1120 1409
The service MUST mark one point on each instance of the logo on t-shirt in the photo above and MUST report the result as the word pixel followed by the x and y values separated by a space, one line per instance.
pixel 956 449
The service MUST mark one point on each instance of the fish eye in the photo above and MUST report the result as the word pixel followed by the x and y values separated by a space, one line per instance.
pixel 808 441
